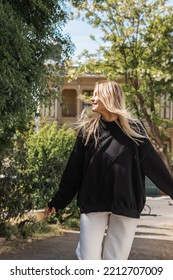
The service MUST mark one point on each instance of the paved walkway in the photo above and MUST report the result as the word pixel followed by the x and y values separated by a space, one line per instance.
pixel 153 239
pixel 159 224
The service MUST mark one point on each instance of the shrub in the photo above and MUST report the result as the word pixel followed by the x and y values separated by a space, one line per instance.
pixel 31 170
pixel 71 223
pixel 24 229
pixel 48 152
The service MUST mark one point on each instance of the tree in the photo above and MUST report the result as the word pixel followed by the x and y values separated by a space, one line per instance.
pixel 31 33
pixel 138 52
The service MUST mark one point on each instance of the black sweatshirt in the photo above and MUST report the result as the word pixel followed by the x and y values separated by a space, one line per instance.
pixel 111 177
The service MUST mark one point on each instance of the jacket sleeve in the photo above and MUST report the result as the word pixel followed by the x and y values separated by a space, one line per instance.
pixel 155 169
pixel 71 178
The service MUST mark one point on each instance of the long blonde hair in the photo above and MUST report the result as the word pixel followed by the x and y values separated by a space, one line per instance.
pixel 112 96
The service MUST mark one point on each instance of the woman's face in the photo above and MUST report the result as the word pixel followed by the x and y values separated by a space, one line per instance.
pixel 99 107
pixel 96 104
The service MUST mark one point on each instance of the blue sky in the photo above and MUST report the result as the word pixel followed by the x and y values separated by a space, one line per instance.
pixel 80 32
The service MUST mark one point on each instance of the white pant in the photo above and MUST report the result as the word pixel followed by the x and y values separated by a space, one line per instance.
pixel 116 244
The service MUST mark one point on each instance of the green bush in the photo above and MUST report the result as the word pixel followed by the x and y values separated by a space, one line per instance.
pixel 71 223
pixel 32 169
pixel 25 229
pixel 48 152
pixel 8 230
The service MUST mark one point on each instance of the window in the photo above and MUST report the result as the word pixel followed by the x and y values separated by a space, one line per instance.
pixel 69 103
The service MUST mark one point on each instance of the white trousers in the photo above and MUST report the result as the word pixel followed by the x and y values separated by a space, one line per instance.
pixel 116 244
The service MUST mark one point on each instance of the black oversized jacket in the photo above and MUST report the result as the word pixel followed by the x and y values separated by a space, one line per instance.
pixel 111 177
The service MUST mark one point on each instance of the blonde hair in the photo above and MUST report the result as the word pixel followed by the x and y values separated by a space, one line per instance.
pixel 112 96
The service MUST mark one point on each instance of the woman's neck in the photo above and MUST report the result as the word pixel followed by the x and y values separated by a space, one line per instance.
pixel 109 117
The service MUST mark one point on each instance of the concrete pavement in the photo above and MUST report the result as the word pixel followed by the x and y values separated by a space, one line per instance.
pixel 159 224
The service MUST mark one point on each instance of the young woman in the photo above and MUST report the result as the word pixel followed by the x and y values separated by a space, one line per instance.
pixel 107 168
